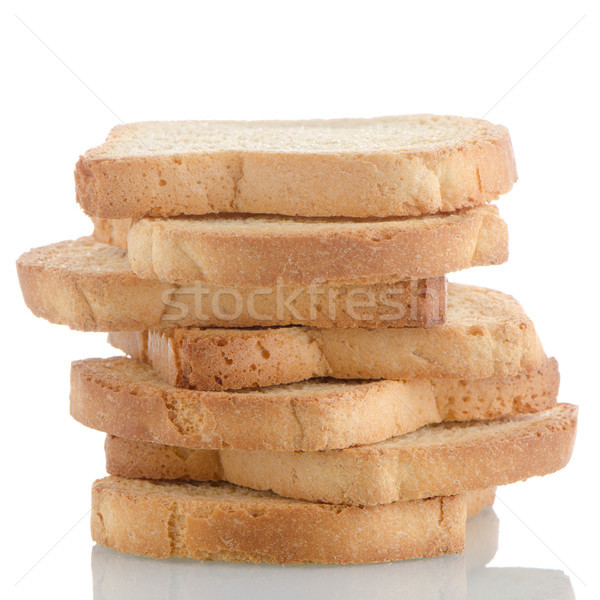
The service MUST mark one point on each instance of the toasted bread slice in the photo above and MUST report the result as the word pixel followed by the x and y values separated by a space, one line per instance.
pixel 486 334
pixel 436 460
pixel 126 398
pixel 390 166
pixel 225 522
pixel 268 251
pixel 89 286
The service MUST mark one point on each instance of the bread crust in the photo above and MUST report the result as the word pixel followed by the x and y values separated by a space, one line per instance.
pixel 89 286
pixel 429 164
pixel 436 460
pixel 162 520
pixel 126 398
pixel 486 334
pixel 268 251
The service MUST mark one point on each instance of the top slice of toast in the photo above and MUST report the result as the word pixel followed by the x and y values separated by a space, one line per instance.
pixel 389 166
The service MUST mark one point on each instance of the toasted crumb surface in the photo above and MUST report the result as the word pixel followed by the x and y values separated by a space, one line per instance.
pixel 318 136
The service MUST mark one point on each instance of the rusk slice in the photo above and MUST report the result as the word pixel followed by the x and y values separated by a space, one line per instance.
pixel 89 286
pixel 266 251
pixel 126 398
pixel 224 522
pixel 486 334
pixel 436 460
pixel 390 166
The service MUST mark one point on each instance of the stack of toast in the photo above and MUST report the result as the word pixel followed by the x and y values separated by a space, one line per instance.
pixel 301 384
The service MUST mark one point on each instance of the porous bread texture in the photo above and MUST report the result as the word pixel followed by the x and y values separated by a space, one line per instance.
pixel 111 231
pixel 435 460
pixel 389 166
pixel 126 398
pixel 267 251
pixel 486 334
pixel 225 522
pixel 89 286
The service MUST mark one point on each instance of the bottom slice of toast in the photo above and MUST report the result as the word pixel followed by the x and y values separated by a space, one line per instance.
pixel 220 521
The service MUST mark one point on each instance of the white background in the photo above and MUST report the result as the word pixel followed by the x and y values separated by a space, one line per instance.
pixel 531 66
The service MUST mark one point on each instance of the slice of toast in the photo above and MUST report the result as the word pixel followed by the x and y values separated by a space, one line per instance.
pixel 436 460
pixel 486 334
pixel 390 166
pixel 224 522
pixel 267 251
pixel 89 286
pixel 126 398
